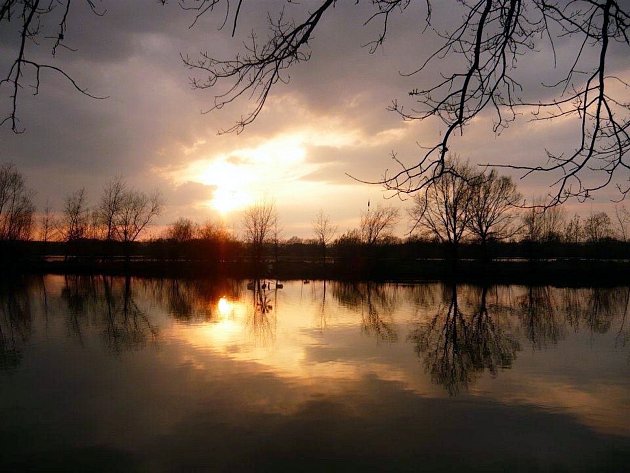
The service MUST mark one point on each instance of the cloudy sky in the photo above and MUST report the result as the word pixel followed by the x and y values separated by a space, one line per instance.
pixel 328 122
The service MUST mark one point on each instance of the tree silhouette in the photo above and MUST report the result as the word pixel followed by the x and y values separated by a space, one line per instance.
pixel 74 223
pixel 324 231
pixel 125 213
pixel 493 201
pixel 573 230
pixel 622 222
pixel 137 211
pixel 48 224
pixel 110 205
pixel 443 211
pixel 182 230
pixel 377 224
pixel 16 205
pixel 38 24
pixel 260 224
pixel 541 224
pixel 597 227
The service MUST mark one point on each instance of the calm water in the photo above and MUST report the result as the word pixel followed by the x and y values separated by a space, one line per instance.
pixel 109 374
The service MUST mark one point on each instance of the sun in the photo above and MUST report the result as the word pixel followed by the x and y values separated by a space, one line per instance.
pixel 226 199
pixel 225 307
pixel 242 176
pixel 232 183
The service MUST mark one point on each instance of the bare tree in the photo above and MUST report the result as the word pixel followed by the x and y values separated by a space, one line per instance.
pixel 212 231
pixel 125 213
pixel 74 223
pixel 351 237
pixel 137 211
pixel 182 230
pixel 34 25
pixel 259 224
pixel 573 231
pixel 622 221
pixel 378 224
pixel 16 205
pixel 111 204
pixel 95 228
pixel 598 227
pixel 443 211
pixel 48 224
pixel 493 201
pixel 542 224
pixel 324 231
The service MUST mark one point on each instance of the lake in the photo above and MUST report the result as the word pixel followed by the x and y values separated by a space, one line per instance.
pixel 101 373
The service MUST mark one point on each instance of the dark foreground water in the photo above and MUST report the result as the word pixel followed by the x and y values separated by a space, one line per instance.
pixel 115 374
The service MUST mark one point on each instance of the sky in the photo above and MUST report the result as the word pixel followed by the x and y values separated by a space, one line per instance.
pixel 327 123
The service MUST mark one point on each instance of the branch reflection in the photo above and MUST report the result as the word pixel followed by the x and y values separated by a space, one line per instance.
pixel 127 327
pixel 377 303
pixel 539 314
pixel 456 347
pixel 193 300
pixel 15 321
pixel 111 304
pixel 261 318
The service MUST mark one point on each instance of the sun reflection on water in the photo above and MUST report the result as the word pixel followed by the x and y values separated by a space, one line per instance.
pixel 224 307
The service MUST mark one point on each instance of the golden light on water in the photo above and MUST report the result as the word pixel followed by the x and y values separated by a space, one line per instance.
pixel 225 307
pixel 293 341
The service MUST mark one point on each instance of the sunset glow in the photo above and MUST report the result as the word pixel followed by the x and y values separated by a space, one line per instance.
pixel 225 307
pixel 243 176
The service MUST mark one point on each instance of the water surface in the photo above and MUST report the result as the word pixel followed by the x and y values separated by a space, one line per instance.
pixel 126 374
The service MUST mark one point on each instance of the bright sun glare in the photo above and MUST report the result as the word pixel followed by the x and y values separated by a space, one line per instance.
pixel 246 174
pixel 225 307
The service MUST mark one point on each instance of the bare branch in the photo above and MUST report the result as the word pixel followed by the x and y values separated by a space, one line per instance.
pixel 35 19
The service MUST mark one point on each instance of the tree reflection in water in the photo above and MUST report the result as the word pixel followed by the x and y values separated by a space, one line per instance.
pixel 538 311
pixel 545 312
pixel 261 318
pixel 462 331
pixel 456 347
pixel 127 326
pixel 623 334
pixel 601 306
pixel 112 304
pixel 15 321
pixel 377 302
pixel 193 300
pixel 457 344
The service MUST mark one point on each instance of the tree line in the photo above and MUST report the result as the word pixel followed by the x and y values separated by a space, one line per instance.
pixel 122 213
pixel 463 207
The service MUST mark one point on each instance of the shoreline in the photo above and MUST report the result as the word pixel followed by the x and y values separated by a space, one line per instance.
pixel 559 271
